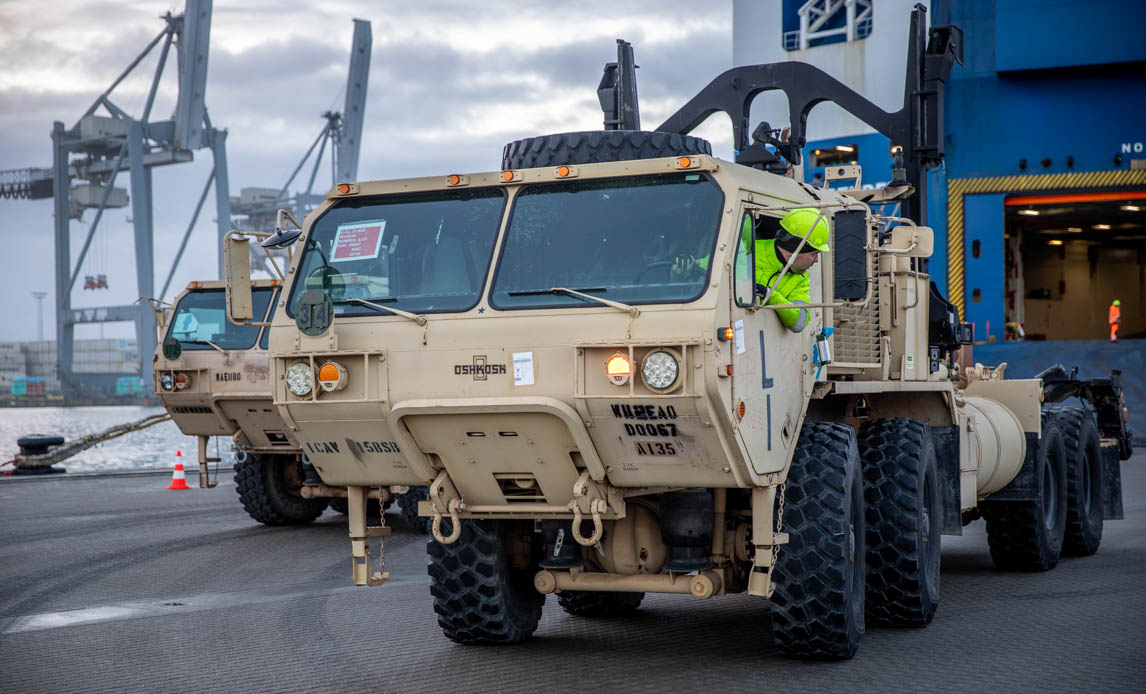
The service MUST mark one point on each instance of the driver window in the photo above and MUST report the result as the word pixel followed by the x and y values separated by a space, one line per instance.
pixel 752 230
pixel 743 282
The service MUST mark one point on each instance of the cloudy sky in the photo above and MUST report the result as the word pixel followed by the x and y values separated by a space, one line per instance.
pixel 451 81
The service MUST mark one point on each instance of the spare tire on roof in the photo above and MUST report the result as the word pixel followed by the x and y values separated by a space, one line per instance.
pixel 595 146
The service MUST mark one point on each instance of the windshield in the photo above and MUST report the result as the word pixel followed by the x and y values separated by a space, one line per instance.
pixel 646 239
pixel 421 253
pixel 201 317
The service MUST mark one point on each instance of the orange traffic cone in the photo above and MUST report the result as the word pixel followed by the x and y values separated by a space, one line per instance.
pixel 178 479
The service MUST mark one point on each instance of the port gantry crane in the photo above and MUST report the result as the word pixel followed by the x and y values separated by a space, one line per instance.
pixel 88 157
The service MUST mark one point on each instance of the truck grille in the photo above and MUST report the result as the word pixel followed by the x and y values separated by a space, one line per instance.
pixel 856 340
pixel 519 487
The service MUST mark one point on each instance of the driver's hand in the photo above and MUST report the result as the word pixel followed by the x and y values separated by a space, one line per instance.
pixel 683 267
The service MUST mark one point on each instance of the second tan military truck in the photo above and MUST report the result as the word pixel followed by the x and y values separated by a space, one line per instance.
pixel 213 379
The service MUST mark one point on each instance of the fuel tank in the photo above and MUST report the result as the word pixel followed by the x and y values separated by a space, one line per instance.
pixel 998 444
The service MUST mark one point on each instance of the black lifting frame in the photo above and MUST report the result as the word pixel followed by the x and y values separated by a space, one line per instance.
pixel 917 127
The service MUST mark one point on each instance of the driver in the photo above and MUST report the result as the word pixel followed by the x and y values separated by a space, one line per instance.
pixel 773 254
pixel 771 257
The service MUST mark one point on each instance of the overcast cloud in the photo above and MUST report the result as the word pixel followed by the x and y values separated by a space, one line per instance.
pixel 450 84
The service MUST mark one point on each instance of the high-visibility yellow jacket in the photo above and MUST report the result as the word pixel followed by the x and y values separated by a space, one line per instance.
pixel 793 287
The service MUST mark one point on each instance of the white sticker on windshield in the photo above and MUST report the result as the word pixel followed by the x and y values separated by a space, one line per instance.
pixel 738 335
pixel 523 368
pixel 357 241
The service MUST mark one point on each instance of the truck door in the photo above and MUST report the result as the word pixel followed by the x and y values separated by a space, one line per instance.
pixel 769 373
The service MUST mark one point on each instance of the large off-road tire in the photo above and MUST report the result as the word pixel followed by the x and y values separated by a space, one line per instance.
pixel 598 146
pixel 1028 535
pixel 408 509
pixel 902 500
pixel 1084 492
pixel 589 603
pixel 269 488
pixel 478 596
pixel 818 603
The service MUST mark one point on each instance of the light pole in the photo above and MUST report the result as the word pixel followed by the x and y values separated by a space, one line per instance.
pixel 39 296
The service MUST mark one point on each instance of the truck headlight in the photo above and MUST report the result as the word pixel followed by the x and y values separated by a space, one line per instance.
pixel 300 379
pixel 167 381
pixel 660 370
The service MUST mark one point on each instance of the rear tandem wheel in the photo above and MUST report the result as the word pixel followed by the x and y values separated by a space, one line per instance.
pixel 1027 535
pixel 901 491
pixel 1084 490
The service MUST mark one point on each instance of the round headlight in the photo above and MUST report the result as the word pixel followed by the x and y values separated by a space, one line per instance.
pixel 660 370
pixel 167 381
pixel 300 379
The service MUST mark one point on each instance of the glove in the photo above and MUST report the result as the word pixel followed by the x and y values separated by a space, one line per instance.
pixel 684 267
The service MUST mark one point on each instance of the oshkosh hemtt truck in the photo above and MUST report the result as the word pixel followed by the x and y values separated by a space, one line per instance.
pixel 599 418
pixel 213 379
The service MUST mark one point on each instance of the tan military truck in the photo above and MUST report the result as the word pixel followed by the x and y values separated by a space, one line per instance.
pixel 213 379
pixel 574 353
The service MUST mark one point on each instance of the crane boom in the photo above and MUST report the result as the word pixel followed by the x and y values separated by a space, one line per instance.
pixel 193 46
pixel 353 115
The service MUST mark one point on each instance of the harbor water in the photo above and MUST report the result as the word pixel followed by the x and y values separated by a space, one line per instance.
pixel 151 448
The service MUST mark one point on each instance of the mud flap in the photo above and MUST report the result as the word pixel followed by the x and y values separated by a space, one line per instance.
pixel 1025 486
pixel 946 441
pixel 1111 481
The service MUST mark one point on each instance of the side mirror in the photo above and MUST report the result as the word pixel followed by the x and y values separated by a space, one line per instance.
pixel 282 238
pixel 849 255
pixel 237 261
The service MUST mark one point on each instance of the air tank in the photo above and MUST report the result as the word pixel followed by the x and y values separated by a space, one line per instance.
pixel 998 444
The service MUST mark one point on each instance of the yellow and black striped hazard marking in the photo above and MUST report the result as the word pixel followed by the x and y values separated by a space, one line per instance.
pixel 957 188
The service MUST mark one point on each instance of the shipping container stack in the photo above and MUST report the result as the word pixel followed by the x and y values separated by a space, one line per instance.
pixel 111 355
pixel 13 365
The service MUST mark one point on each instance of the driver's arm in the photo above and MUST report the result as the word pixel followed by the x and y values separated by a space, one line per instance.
pixel 793 288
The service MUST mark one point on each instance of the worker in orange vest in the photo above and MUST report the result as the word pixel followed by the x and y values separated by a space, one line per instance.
pixel 1115 319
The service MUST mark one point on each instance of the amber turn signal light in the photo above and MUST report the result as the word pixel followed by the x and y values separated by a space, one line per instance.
pixel 331 377
pixel 618 369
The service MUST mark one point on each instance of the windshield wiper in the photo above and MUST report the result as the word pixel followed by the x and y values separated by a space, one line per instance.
pixel 420 320
pixel 631 310
pixel 558 290
pixel 206 342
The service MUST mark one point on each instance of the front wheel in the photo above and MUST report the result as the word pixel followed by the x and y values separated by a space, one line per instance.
pixel 479 595
pixel 269 487
pixel 818 603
